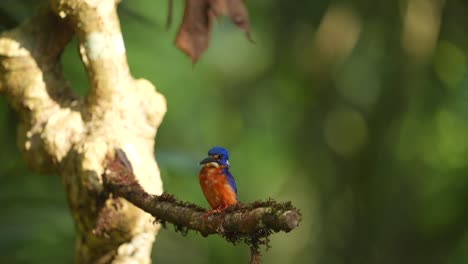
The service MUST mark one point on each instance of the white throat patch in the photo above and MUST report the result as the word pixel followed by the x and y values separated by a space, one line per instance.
pixel 212 164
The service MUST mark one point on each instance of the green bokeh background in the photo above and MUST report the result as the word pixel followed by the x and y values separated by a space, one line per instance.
pixel 356 111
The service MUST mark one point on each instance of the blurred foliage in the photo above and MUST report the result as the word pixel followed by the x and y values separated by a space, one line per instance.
pixel 355 110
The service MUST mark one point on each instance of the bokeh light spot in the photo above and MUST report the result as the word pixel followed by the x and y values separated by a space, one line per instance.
pixel 421 24
pixel 449 63
pixel 447 148
pixel 410 137
pixel 336 36
pixel 359 84
pixel 345 131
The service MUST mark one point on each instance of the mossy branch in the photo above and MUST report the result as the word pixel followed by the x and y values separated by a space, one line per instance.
pixel 249 223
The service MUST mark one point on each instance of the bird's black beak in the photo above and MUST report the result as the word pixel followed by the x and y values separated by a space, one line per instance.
pixel 207 160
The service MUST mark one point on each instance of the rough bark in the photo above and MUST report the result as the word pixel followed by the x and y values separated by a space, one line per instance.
pixel 70 136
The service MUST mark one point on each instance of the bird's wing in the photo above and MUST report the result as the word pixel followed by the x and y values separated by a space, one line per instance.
pixel 231 181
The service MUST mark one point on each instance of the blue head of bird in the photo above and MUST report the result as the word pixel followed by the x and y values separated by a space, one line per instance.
pixel 217 156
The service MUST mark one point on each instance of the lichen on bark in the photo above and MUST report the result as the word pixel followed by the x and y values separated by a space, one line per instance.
pixel 63 134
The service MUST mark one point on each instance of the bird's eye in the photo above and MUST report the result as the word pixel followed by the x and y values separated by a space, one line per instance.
pixel 216 156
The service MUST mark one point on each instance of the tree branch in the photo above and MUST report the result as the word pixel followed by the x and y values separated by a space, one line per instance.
pixel 31 78
pixel 250 223
pixel 102 48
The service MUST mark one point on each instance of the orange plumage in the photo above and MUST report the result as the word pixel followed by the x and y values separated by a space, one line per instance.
pixel 216 188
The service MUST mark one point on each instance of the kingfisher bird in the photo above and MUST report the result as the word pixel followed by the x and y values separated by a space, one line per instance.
pixel 216 181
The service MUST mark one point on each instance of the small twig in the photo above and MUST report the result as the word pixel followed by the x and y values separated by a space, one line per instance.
pixel 255 255
pixel 170 12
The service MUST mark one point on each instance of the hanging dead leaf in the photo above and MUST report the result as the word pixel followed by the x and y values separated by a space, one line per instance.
pixel 236 10
pixel 194 32
pixel 218 7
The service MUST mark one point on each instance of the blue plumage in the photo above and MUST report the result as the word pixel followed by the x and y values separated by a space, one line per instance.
pixel 223 160
pixel 230 179
pixel 216 181
pixel 221 152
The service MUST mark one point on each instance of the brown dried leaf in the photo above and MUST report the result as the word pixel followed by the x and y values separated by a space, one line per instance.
pixel 194 32
pixel 218 7
pixel 236 10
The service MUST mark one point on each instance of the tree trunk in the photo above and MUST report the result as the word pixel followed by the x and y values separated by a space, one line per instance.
pixel 61 133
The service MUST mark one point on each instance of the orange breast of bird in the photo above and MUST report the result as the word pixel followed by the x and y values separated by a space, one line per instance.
pixel 216 188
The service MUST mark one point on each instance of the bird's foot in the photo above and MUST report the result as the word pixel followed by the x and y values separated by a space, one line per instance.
pixel 214 211
pixel 210 212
